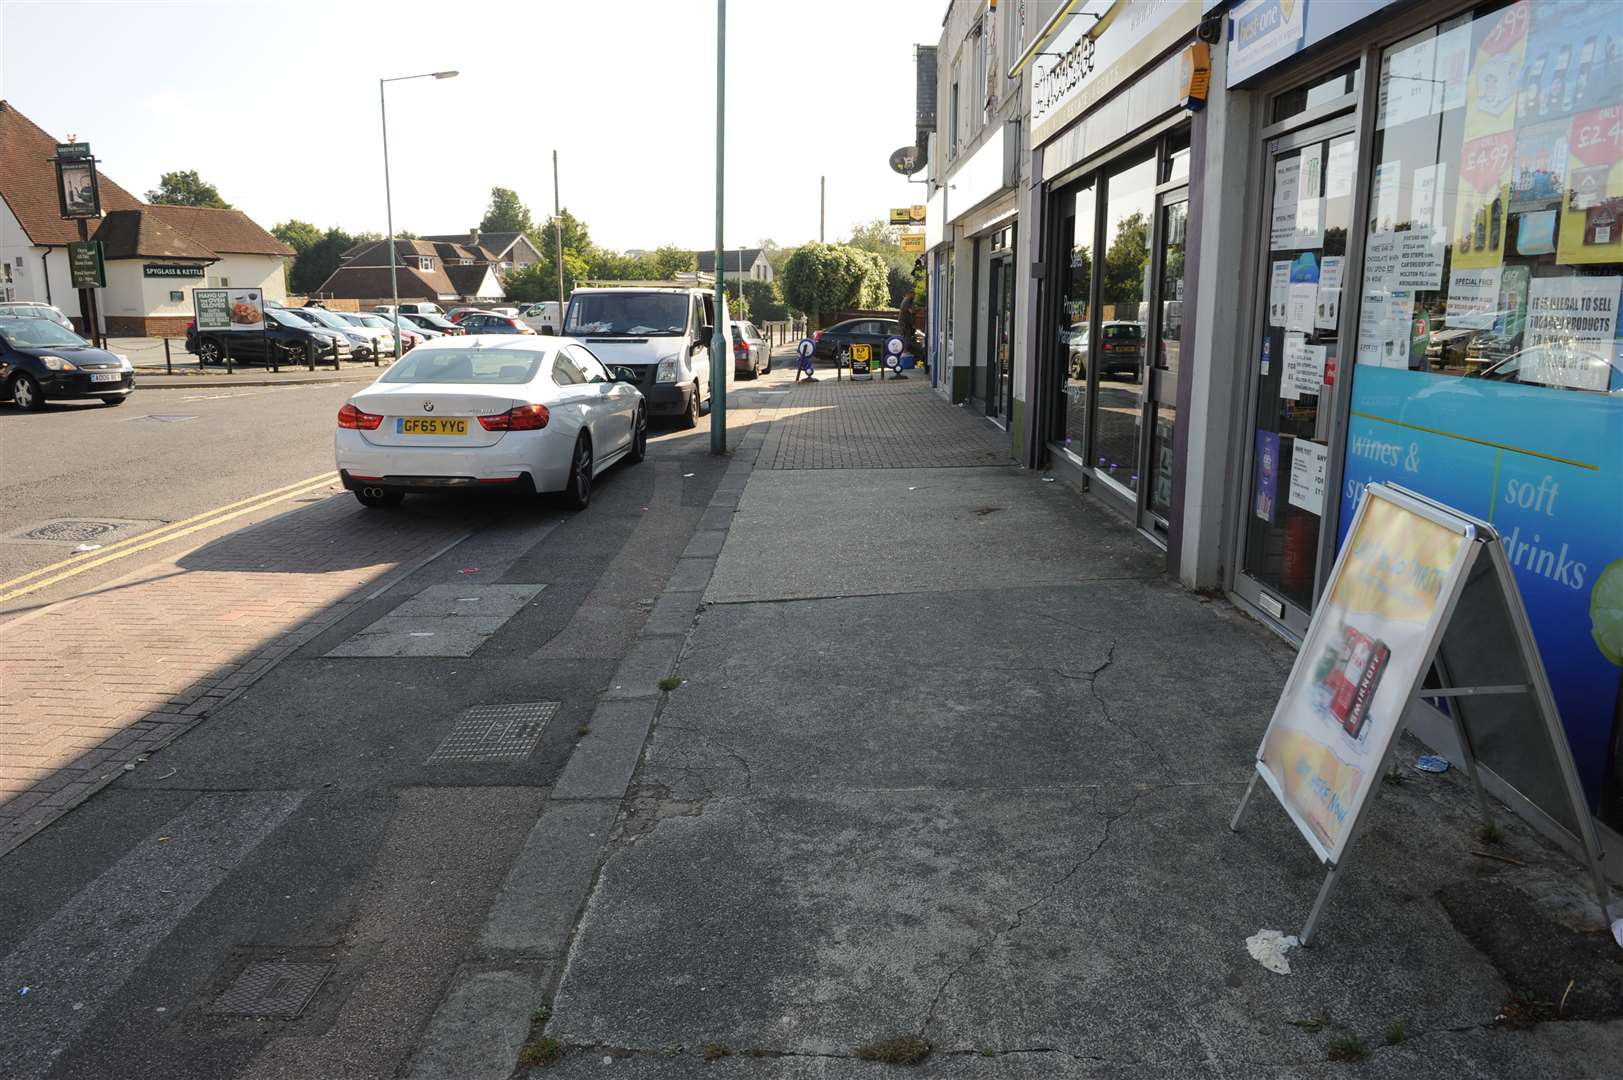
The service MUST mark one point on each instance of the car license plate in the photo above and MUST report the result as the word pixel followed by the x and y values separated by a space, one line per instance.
pixel 431 425
pixel 862 352
pixel 106 376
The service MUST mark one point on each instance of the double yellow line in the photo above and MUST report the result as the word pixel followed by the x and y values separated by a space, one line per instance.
pixel 89 560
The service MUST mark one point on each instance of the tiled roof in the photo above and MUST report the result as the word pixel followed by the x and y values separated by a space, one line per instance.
pixel 372 282
pixel 129 234
pixel 227 231
pixel 467 279
pixel 492 245
pixel 28 181
pixel 377 252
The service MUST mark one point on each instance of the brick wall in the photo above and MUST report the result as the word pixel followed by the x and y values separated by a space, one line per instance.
pixel 146 326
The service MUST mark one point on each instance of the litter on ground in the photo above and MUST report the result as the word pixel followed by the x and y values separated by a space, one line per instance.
pixel 1268 948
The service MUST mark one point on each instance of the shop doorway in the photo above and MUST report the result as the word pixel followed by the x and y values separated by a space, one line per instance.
pixel 999 374
pixel 1308 210
pixel 1163 354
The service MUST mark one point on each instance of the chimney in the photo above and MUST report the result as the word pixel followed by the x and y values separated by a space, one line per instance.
pixel 473 237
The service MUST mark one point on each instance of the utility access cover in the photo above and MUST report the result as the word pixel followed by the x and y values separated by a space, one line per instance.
pixel 74 531
pixel 442 620
pixel 495 734
pixel 272 988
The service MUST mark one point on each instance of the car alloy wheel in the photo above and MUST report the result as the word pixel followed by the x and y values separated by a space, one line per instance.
pixel 639 438
pixel 208 352
pixel 25 393
pixel 579 492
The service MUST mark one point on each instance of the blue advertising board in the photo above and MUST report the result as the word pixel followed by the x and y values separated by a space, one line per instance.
pixel 1544 466
pixel 1263 33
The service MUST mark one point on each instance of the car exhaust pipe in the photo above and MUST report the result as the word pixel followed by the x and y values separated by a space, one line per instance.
pixel 372 492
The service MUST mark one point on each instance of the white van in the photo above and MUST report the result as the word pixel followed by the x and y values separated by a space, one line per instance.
pixel 660 333
pixel 411 309
pixel 542 317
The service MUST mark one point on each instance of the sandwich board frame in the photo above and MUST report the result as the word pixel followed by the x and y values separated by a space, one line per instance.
pixel 1333 708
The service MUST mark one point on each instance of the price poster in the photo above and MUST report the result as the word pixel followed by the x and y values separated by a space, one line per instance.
pixel 1327 303
pixel 1591 228
pixel 1278 292
pixel 1482 208
pixel 1287 185
pixel 1308 462
pixel 1496 74
pixel 1384 216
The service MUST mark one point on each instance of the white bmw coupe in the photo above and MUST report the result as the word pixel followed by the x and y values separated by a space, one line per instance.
pixel 539 414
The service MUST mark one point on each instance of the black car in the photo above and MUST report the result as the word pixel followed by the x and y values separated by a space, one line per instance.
pixel 873 332
pixel 436 324
pixel 41 360
pixel 286 339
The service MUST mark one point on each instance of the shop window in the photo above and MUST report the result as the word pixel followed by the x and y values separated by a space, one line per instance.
pixel 6 288
pixel 1338 83
pixel 1489 369
pixel 1124 301
pixel 1176 164
pixel 1075 319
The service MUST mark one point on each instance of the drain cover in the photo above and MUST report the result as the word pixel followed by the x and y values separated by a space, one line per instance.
pixel 272 988
pixel 73 532
pixel 488 734
pixel 165 418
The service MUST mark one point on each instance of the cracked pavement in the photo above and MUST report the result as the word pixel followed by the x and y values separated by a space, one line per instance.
pixel 991 810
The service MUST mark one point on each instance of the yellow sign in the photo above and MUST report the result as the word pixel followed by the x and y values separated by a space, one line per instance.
pixel 907 215
pixel 861 353
pixel 912 243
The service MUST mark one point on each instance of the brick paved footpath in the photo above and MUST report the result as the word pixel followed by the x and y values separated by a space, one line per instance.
pixel 894 424
pixel 90 684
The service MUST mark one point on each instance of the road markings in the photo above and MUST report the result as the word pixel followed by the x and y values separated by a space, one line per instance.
pixel 78 564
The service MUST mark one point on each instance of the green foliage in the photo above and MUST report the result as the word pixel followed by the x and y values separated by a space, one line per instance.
pixel 506 213
pixel 776 254
pixel 668 261
pixel 821 278
pixel 316 253
pixel 765 301
pixel 539 280
pixel 1125 264
pixel 185 188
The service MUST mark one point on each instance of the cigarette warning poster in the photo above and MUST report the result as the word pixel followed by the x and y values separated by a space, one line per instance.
pixel 1369 643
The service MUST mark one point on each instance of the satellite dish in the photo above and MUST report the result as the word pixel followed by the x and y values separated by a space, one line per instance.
pixel 905 160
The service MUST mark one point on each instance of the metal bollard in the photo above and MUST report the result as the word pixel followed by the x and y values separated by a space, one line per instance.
pixel 168 368
pixel 229 370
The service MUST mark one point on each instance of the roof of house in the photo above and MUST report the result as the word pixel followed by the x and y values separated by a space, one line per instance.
pixel 368 282
pixel 735 260
pixel 128 234
pixel 131 227
pixel 28 181
pixel 376 252
pixel 468 279
pixel 229 232
pixel 492 244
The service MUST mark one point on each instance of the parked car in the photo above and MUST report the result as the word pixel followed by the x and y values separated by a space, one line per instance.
pixel 828 344
pixel 410 336
pixel 510 312
pixel 662 333
pixel 1121 352
pixel 437 324
pixel 751 357
pixel 456 313
pixel 1558 365
pixel 41 360
pixel 33 309
pixel 488 322
pixel 411 308
pixel 543 317
pixel 540 415
pixel 366 341
pixel 286 339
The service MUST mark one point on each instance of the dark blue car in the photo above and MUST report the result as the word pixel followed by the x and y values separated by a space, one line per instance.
pixel 40 360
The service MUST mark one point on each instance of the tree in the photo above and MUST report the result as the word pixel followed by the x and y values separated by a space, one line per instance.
pixel 506 213
pixel 186 188
pixel 316 253
pixel 301 236
pixel 539 280
pixel 1125 263
pixel 668 261
pixel 825 278
pixel 765 301
pixel 776 254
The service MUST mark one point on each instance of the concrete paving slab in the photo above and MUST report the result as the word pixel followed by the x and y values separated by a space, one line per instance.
pixel 538 903
pixel 647 662
pixel 480 1027
pixel 843 532
pixel 706 544
pixel 442 620
pixel 691 574
pixel 603 762
pixel 673 613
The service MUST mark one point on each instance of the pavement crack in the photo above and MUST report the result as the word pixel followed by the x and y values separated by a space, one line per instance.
pixel 1048 893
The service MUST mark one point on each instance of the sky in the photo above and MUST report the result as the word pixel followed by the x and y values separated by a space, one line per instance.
pixel 277 105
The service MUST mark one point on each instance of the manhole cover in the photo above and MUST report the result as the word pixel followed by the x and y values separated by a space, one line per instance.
pixel 165 418
pixel 73 532
pixel 272 988
pixel 495 733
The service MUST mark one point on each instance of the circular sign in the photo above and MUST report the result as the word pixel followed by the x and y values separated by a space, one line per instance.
pixel 905 160
pixel 806 347
pixel 894 346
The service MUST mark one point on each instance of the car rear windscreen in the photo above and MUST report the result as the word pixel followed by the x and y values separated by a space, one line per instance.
pixel 426 364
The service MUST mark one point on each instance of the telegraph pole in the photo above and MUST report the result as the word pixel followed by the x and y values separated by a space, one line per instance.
pixel 720 332
pixel 558 239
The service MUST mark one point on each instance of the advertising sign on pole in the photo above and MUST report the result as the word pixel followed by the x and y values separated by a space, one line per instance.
pixel 86 267
pixel 1388 609
pixel 229 310
pixel 77 192
pixel 911 243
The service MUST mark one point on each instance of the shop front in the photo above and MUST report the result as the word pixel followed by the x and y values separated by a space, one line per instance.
pixel 1108 110
pixel 1431 285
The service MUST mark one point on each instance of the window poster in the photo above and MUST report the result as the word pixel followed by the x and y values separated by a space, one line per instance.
pixel 1429 183
pixel 1278 292
pixel 1484 194
pixel 1308 461
pixel 1496 74
pixel 1473 298
pixel 1381 262
pixel 1309 206
pixel 1571 323
pixel 1383 329
pixel 1453 67
pixel 1303 370
pixel 1383 216
pixel 1287 185
pixel 1339 168
pixel 1267 479
pixel 1539 175
pixel 1591 227
pixel 1303 290
pixel 1408 87
pixel 1420 259
pixel 1327 301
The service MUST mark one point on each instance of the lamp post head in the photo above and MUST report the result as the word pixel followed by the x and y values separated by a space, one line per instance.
pixel 445 74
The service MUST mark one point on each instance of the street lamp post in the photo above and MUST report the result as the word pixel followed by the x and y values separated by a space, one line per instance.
pixel 388 198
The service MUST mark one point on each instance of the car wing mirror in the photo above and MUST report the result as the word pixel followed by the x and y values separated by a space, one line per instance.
pixel 625 375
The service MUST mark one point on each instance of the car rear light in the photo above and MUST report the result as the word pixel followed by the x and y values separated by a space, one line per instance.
pixel 518 418
pixel 191 324
pixel 351 417
pixel 817 336
pixel 515 324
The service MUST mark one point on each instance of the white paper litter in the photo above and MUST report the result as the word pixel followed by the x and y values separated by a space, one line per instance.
pixel 1268 948
pixel 1617 932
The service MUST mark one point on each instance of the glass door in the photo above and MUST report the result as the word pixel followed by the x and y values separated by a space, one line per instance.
pixel 999 371
pixel 1117 357
pixel 1308 208
pixel 1161 384
pixel 1067 369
